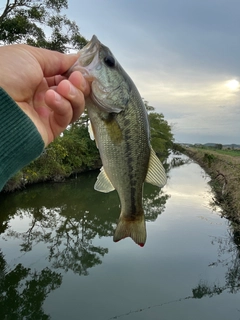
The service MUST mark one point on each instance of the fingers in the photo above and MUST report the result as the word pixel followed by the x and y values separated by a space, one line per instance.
pixel 67 101
pixel 74 89
pixel 77 79
pixel 72 97
pixel 54 81
pixel 60 114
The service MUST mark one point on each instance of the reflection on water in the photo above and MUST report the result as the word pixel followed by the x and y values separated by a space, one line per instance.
pixel 229 257
pixel 53 234
pixel 67 217
pixel 23 291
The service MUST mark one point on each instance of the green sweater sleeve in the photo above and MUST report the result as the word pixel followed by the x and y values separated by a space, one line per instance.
pixel 20 141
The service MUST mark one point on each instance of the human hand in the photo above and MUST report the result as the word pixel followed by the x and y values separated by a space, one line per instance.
pixel 32 77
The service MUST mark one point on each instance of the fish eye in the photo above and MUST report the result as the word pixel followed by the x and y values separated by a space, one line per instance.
pixel 109 61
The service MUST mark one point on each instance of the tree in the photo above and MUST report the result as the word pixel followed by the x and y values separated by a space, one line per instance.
pixel 39 23
pixel 219 146
pixel 161 134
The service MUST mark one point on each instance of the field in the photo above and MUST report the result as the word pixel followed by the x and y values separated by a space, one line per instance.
pixel 223 166
pixel 232 153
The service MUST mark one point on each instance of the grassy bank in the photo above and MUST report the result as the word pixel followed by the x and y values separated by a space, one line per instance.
pixel 224 170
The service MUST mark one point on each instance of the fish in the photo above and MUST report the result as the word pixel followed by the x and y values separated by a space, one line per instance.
pixel 119 124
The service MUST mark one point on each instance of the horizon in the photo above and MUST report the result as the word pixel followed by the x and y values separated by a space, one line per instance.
pixel 213 143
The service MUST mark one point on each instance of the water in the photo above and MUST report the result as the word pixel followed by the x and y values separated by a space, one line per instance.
pixel 58 260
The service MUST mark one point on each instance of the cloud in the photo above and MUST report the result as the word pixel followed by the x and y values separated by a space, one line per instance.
pixel 218 125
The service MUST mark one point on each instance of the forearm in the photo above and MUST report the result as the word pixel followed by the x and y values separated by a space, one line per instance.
pixel 20 141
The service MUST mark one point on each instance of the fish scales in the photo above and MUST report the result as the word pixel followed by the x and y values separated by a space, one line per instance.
pixel 119 124
pixel 126 164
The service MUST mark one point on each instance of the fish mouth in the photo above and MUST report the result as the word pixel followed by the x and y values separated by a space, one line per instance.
pixel 88 63
pixel 89 59
pixel 88 53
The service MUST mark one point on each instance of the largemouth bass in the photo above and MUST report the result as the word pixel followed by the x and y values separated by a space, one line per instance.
pixel 119 124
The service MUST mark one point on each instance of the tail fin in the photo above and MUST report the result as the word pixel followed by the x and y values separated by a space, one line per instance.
pixel 136 229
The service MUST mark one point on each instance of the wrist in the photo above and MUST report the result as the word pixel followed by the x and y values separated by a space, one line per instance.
pixel 20 141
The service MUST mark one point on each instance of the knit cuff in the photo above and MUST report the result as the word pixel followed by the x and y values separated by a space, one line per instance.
pixel 20 141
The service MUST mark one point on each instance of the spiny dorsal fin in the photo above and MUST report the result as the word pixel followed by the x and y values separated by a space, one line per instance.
pixel 156 173
pixel 103 184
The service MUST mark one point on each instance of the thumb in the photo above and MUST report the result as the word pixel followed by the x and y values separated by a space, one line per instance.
pixel 53 62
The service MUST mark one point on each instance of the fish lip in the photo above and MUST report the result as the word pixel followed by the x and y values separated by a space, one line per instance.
pixel 88 53
pixel 88 59
pixel 94 41
pixel 91 44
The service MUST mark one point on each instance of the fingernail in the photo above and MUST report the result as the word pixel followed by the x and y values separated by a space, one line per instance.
pixel 83 84
pixel 57 97
pixel 73 90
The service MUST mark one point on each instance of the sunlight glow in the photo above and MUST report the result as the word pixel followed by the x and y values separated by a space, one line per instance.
pixel 232 84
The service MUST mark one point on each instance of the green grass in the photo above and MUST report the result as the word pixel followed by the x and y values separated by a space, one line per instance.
pixel 233 153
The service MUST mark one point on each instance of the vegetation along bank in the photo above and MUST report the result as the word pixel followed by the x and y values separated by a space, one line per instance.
pixel 223 166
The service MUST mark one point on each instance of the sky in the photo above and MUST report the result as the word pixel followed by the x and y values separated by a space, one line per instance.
pixel 183 56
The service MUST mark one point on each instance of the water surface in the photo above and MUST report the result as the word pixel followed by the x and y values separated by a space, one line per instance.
pixel 58 260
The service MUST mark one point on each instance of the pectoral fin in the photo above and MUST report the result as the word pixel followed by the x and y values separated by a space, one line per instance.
pixel 156 173
pixel 90 131
pixel 103 184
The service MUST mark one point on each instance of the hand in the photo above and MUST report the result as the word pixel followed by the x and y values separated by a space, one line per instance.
pixel 32 77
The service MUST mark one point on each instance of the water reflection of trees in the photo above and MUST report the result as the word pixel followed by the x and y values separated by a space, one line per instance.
pixel 23 291
pixel 68 218
pixel 228 256
pixel 154 201
pixel 178 160
pixel 68 238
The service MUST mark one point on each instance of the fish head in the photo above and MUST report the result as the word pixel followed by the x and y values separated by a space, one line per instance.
pixel 110 85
